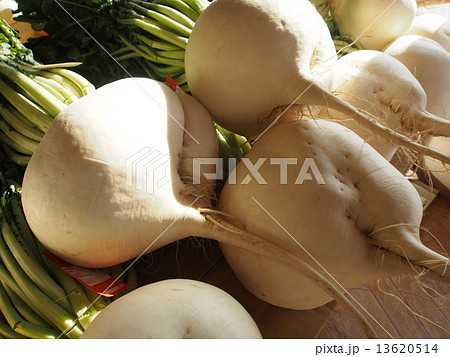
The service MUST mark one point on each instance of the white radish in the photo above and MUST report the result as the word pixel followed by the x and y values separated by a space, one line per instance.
pixel 379 84
pixel 121 150
pixel 178 308
pixel 433 26
pixel 430 64
pixel 245 59
pixel 373 23
pixel 84 190
pixel 358 224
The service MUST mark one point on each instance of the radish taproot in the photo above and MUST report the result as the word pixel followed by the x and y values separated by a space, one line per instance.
pixel 379 84
pixel 85 192
pixel 373 23
pixel 177 308
pixel 433 26
pixel 355 222
pixel 243 76
pixel 429 62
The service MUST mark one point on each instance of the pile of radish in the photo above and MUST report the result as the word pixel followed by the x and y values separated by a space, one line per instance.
pixel 313 209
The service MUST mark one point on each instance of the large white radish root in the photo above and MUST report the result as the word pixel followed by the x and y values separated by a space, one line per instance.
pixel 86 194
pixel 379 84
pixel 178 308
pixel 373 23
pixel 430 64
pixel 360 224
pixel 114 164
pixel 433 26
pixel 247 58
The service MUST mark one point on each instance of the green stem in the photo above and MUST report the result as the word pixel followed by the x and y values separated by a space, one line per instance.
pixel 82 83
pixel 128 56
pixel 14 141
pixel 164 20
pixel 80 304
pixel 63 94
pixel 197 5
pixel 171 54
pixel 40 95
pixel 155 29
pixel 159 59
pixel 23 309
pixel 28 108
pixel 63 81
pixel 7 331
pixel 16 158
pixel 58 316
pixel 20 123
pixel 157 44
pixel 24 229
pixel 146 53
pixel 180 6
pixel 97 301
pixel 32 268
pixel 171 71
pixel 174 14
pixel 7 279
pixel 18 324
pixel 181 79
pixel 120 51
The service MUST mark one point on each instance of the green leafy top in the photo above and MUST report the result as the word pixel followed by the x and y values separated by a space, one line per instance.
pixel 12 51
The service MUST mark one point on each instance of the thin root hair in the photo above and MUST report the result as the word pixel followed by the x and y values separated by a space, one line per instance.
pixel 405 305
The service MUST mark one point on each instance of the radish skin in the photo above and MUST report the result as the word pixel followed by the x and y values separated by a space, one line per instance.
pixel 366 215
pixel 429 62
pixel 373 23
pixel 379 84
pixel 243 76
pixel 432 26
pixel 177 308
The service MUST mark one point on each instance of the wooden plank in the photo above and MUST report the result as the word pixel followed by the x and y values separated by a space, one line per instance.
pixel 424 305
pixel 345 325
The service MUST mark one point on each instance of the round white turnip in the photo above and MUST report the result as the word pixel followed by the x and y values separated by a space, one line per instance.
pixel 177 309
